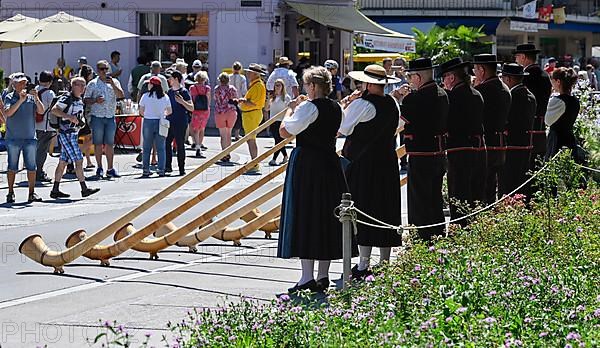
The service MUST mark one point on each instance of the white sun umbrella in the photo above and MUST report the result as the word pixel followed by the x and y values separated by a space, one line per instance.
pixel 63 27
pixel 13 23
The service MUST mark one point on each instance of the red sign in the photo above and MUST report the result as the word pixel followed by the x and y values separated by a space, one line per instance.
pixel 129 130
pixel 544 13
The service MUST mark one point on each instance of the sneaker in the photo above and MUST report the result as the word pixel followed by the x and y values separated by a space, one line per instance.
pixel 89 191
pixel 33 197
pixel 203 148
pixel 168 170
pixel 193 147
pixel 10 197
pixel 199 154
pixel 272 162
pixel 43 178
pixel 99 172
pixel 253 171
pixel 112 173
pixel 145 175
pixel 58 194
pixel 139 157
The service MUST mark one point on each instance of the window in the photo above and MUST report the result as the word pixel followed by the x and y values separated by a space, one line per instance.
pixel 173 24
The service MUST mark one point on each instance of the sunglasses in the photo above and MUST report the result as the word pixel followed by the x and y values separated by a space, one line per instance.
pixel 103 68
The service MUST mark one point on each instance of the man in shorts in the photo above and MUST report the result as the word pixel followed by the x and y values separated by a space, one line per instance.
pixel 251 106
pixel 70 109
pixel 20 107
pixel 102 93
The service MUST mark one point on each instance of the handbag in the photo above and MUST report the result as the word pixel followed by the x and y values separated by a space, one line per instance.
pixel 163 127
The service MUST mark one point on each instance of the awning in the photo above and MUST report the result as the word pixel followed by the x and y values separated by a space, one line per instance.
pixel 490 24
pixel 346 18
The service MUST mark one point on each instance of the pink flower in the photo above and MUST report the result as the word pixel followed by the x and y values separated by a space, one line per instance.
pixel 543 334
pixel 370 278
pixel 417 268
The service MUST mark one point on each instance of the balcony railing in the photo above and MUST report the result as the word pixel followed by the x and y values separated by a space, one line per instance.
pixel 578 8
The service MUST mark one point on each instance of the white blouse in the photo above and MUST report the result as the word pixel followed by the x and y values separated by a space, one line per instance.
pixel 305 114
pixel 556 108
pixel 276 106
pixel 358 111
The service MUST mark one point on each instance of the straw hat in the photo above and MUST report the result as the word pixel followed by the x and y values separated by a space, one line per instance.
pixel 374 74
pixel 256 68
pixel 284 61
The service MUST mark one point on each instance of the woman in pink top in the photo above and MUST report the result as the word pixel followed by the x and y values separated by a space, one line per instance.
pixel 226 111
pixel 200 93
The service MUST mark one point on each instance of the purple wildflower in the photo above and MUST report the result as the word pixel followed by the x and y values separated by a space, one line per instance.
pixel 573 336
pixel 414 282
pixel 580 308
pixel 461 310
pixel 232 338
pixel 597 313
pixel 370 278
pixel 527 320
pixel 432 248
pixel 347 316
pixel 491 293
pixel 297 309
pixel 449 319
pixel 284 297
pixel 543 334
pixel 579 229
pixel 489 320
pixel 417 268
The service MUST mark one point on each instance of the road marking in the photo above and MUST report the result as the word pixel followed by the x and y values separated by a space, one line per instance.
pixel 55 293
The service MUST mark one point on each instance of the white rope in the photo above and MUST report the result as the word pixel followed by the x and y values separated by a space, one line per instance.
pixel 399 229
pixel 588 168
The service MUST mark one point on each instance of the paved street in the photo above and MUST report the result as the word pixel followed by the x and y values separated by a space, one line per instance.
pixel 38 307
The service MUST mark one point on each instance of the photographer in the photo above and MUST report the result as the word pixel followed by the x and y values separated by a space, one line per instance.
pixel 70 109
pixel 20 107
pixel 101 94
pixel 43 131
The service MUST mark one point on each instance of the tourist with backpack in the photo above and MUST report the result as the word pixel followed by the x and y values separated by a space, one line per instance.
pixel 200 93
pixel 43 131
pixel 70 109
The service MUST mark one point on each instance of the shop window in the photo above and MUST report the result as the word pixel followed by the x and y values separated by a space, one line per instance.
pixel 173 24
pixel 189 50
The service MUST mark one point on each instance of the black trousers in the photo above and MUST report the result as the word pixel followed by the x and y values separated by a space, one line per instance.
pixel 425 202
pixel 496 160
pixel 177 133
pixel 515 171
pixel 274 129
pixel 461 174
pixel 479 169
pixel 44 138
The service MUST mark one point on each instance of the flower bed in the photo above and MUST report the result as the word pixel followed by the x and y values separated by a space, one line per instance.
pixel 521 275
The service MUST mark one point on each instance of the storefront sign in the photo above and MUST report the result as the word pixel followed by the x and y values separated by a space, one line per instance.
pixel 528 27
pixel 384 43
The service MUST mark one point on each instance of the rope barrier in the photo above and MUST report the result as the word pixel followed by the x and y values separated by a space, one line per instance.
pixel 400 229
pixel 588 168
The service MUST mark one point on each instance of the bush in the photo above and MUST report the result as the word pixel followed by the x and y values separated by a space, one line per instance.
pixel 524 274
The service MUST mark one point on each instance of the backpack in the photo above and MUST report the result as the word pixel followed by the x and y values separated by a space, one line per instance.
pixel 53 120
pixel 200 102
pixel 40 117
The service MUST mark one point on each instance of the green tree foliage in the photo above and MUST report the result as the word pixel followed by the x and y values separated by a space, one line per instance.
pixel 442 44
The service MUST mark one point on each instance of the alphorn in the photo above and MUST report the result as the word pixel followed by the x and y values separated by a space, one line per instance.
pixel 235 234
pixel 106 252
pixel 36 249
pixel 154 245
pixel 217 226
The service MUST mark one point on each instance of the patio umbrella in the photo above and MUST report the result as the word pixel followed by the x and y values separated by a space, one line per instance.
pixel 13 23
pixel 63 27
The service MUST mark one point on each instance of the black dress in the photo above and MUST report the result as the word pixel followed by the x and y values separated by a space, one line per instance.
pixel 373 174
pixel 561 132
pixel 314 185
pixel 538 82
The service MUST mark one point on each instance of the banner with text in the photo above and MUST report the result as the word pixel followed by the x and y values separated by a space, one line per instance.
pixel 383 43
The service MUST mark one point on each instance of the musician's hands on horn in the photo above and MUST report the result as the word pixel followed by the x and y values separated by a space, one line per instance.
pixel 294 103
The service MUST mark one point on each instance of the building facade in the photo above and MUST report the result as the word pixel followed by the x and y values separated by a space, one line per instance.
pixel 216 32
pixel 501 20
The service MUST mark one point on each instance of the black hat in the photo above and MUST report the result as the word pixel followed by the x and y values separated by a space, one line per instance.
pixel 486 58
pixel 452 64
pixel 526 48
pixel 257 68
pixel 420 64
pixel 513 69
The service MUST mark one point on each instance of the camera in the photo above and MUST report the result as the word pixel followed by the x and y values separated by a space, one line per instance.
pixel 30 86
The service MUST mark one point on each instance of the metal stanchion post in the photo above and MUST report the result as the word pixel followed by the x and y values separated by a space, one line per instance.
pixel 346 220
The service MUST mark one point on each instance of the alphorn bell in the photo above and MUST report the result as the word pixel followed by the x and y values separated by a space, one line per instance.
pixel 235 234
pixel 36 249
pixel 133 237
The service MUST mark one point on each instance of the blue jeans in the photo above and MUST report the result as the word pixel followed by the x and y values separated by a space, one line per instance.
pixel 103 130
pixel 14 148
pixel 151 137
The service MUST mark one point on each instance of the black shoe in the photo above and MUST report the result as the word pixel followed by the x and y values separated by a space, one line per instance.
pixel 181 172
pixel 311 285
pixel 360 275
pixel 323 284
pixel 168 170
pixel 58 194
pixel 145 175
pixel 10 197
pixel 43 178
pixel 193 147
pixel 203 148
pixel 33 197
pixel 199 154
pixel 139 157
pixel 89 191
